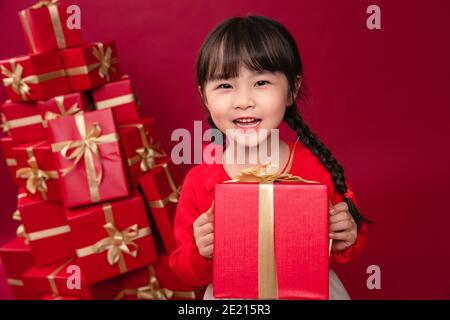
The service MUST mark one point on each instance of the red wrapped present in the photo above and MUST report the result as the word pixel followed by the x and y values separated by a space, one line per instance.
pixel 46 26
pixel 277 233
pixel 156 282
pixel 24 122
pixel 20 231
pixel 141 147
pixel 87 151
pixel 16 260
pixel 63 106
pixel 38 76
pixel 120 96
pixel 112 238
pixel 161 193
pixel 91 65
pixel 36 170
pixel 67 279
pixel 7 145
pixel 49 238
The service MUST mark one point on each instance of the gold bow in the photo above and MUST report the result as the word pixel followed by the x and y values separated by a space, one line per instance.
pixel 4 123
pixel 49 115
pixel 44 3
pixel 36 178
pixel 153 290
pixel 148 155
pixel 105 59
pixel 20 231
pixel 14 79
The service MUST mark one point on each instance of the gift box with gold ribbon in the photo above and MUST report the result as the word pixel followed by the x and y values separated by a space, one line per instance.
pixel 33 77
pixel 156 282
pixel 120 96
pixel 37 171
pixel 270 237
pixel 161 192
pixel 112 238
pixel 7 144
pixel 141 147
pixel 89 158
pixel 16 259
pixel 46 26
pixel 47 230
pixel 91 65
pixel 59 281
pixel 23 121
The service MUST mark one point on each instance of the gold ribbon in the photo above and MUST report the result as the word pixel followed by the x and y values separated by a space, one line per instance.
pixel 15 282
pixel 20 231
pixel 87 148
pixel 51 278
pixel 44 3
pixel 173 196
pixel 59 100
pixel 116 101
pixel 25 121
pixel 4 124
pixel 11 162
pixel 118 242
pixel 47 233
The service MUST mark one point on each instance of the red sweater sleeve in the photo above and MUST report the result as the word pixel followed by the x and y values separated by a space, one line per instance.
pixel 186 260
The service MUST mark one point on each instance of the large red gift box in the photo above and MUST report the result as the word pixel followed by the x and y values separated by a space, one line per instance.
pixel 38 76
pixel 271 241
pixel 37 171
pixel 23 120
pixel 88 154
pixel 7 145
pixel 120 96
pixel 91 65
pixel 112 238
pixel 141 147
pixel 156 282
pixel 63 106
pixel 67 279
pixel 161 192
pixel 47 230
pixel 16 260
pixel 46 26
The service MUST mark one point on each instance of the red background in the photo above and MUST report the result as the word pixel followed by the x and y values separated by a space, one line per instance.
pixel 379 99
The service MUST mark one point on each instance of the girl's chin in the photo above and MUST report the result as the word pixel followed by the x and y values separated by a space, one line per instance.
pixel 248 137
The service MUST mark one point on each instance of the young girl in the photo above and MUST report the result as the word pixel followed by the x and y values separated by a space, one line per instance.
pixel 249 74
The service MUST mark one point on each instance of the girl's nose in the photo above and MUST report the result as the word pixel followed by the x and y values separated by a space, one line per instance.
pixel 243 101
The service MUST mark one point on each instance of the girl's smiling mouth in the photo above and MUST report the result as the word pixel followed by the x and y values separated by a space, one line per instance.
pixel 247 122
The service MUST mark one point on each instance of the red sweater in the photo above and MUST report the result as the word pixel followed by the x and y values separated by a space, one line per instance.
pixel 198 193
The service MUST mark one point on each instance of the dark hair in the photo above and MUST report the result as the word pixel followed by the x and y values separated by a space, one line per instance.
pixel 260 43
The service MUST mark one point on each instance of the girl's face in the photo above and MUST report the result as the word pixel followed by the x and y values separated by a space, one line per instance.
pixel 251 104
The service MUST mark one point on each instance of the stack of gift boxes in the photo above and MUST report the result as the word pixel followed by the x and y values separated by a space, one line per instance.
pixel 97 195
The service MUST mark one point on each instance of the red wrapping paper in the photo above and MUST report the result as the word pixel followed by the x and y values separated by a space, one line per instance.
pixel 45 27
pixel 300 220
pixel 101 178
pixel 7 145
pixel 36 170
pixel 53 282
pixel 49 238
pixel 63 106
pixel 38 76
pixel 96 223
pixel 91 65
pixel 23 121
pixel 120 96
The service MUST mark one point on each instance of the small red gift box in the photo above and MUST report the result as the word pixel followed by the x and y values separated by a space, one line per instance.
pixel 91 65
pixel 49 237
pixel 63 106
pixel 67 279
pixel 16 260
pixel 120 96
pixel 38 76
pixel 7 145
pixel 24 122
pixel 88 154
pixel 141 147
pixel 112 238
pixel 277 233
pixel 46 26
pixel 37 171
pixel 161 193
pixel 156 282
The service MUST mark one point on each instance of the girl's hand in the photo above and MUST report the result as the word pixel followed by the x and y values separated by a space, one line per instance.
pixel 204 232
pixel 342 227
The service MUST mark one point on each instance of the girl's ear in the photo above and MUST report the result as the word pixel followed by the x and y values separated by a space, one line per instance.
pixel 201 95
pixel 298 84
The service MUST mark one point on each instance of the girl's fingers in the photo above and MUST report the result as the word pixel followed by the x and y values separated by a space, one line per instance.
pixel 338 217
pixel 210 212
pixel 208 251
pixel 344 236
pixel 207 240
pixel 341 206
pixel 341 225
pixel 204 229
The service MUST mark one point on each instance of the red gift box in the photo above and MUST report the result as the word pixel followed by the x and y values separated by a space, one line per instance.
pixel 16 260
pixel 161 193
pixel 37 171
pixel 141 147
pixel 7 145
pixel 67 279
pixel 63 106
pixel 38 76
pixel 24 122
pixel 112 238
pixel 156 282
pixel 91 65
pixel 47 230
pixel 277 235
pixel 88 154
pixel 45 26
pixel 120 96
pixel 20 231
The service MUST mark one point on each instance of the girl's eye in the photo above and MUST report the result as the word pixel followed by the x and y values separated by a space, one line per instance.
pixel 261 83
pixel 224 86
